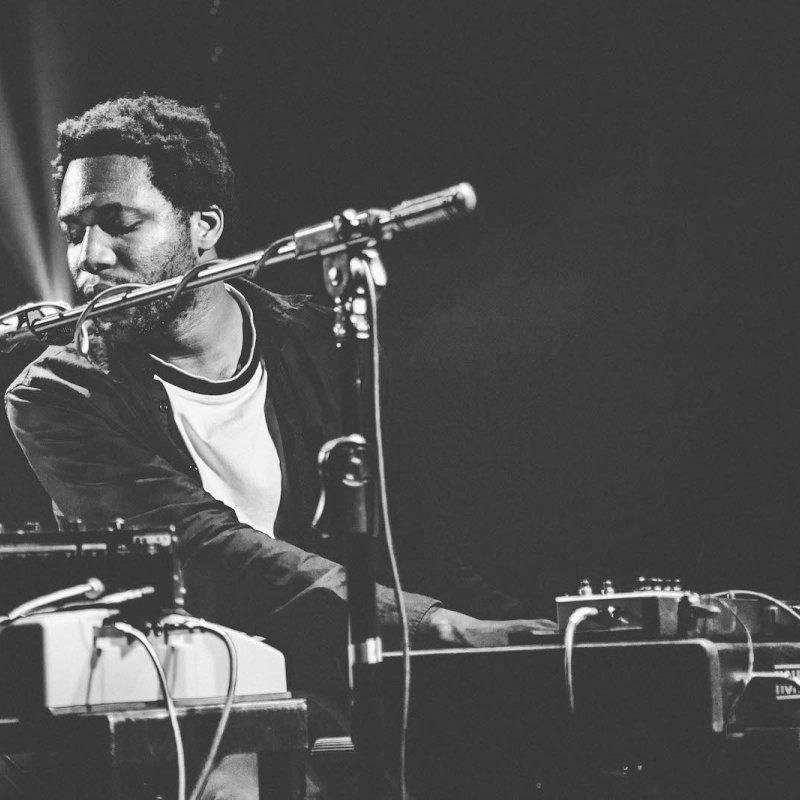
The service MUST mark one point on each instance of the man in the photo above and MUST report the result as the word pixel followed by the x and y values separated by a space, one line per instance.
pixel 207 414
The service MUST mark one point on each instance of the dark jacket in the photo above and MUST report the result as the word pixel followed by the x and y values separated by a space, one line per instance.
pixel 104 444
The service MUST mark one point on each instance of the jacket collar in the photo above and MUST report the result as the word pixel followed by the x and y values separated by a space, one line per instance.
pixel 271 313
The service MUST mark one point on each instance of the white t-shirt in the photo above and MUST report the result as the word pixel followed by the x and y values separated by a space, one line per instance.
pixel 224 427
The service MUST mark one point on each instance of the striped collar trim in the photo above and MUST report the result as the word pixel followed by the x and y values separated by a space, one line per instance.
pixel 193 383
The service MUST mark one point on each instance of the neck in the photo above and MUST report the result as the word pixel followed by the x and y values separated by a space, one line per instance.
pixel 207 342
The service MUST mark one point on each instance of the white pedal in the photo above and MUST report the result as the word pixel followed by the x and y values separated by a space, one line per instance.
pixel 70 660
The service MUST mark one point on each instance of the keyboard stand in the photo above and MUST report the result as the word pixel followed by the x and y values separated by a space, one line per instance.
pixel 127 754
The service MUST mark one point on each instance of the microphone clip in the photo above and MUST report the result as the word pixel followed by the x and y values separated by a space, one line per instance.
pixel 336 235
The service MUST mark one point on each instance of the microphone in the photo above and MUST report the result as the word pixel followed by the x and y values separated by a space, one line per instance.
pixel 431 209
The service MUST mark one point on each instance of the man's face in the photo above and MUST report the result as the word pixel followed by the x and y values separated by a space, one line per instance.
pixel 121 229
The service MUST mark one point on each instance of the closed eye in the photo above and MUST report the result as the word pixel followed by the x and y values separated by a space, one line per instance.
pixel 118 229
pixel 73 233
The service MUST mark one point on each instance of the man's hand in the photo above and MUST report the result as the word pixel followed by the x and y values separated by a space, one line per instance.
pixel 444 627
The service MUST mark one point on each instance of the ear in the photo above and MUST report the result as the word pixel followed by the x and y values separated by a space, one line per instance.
pixel 207 227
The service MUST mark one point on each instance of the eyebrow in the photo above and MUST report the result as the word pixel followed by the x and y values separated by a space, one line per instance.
pixel 107 207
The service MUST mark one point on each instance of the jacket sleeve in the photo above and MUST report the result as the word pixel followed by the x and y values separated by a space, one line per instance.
pixel 97 466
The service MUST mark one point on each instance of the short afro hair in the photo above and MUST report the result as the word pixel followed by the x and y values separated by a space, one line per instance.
pixel 188 161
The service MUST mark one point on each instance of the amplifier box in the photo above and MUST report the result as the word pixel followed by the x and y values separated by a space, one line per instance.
pixel 72 660
pixel 661 614
pixel 654 613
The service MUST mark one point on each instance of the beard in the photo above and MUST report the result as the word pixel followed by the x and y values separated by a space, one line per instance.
pixel 144 325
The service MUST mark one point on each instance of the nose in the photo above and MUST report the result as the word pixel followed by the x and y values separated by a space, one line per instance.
pixel 96 253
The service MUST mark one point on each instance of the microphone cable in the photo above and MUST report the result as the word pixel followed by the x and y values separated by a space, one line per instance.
pixel 384 501
pixel 129 630
pixel 191 624
pixel 92 589
pixel 576 619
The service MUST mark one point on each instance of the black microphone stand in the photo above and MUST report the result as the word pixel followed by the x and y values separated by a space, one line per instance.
pixel 349 503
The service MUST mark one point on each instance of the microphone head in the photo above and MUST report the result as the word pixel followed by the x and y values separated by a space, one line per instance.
pixel 96 587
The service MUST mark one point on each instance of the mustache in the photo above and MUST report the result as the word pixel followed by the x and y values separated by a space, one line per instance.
pixel 87 288
pixel 90 289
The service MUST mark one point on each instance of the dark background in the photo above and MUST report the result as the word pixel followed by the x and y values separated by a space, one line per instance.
pixel 600 365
